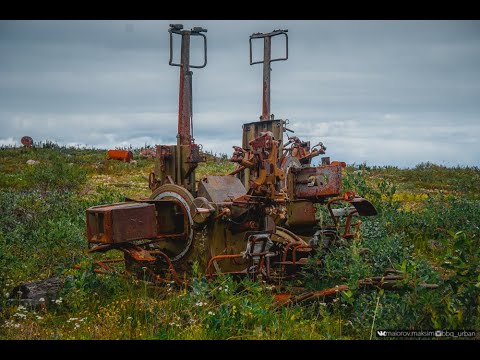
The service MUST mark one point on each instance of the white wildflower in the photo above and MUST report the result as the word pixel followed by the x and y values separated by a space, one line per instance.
pixel 211 313
pixel 199 303
pixel 39 317
pixel 129 318
pixel 323 304
pixel 41 299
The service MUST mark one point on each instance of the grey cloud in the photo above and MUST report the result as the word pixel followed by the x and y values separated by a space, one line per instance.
pixel 385 92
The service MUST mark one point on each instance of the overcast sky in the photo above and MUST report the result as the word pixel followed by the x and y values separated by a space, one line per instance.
pixel 380 92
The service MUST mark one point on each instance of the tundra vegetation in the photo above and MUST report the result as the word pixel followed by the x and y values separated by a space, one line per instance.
pixel 427 227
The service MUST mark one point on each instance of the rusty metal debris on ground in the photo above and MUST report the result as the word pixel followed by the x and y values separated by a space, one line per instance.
pixel 258 221
pixel 122 155
pixel 27 141
pixel 148 153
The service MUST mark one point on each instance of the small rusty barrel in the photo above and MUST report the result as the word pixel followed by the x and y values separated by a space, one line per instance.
pixel 27 141
pixel 123 155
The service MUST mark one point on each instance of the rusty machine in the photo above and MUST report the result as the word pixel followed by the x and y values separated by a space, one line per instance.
pixel 261 220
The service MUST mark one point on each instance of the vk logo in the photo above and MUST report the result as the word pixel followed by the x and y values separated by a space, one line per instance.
pixel 381 333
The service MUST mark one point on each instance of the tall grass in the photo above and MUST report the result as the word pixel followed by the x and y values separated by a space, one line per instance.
pixel 426 227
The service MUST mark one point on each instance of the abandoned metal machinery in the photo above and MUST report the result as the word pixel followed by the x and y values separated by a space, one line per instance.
pixel 262 220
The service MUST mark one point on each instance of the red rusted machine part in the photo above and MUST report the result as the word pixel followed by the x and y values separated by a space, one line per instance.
pixel 122 155
pixel 301 150
pixel 267 60
pixel 360 206
pixel 209 272
pixel 27 141
pixel 148 153
pixel 315 183
pixel 121 223
pixel 171 268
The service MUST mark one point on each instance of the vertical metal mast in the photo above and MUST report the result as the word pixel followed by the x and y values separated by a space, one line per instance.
pixel 185 90
pixel 267 59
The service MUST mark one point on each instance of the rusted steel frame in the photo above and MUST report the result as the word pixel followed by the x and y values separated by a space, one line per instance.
pixel 168 236
pixel 321 293
pixel 106 247
pixel 347 226
pixel 329 207
pixel 288 232
pixel 348 222
pixel 175 277
pixel 261 255
pixel 164 237
pixel 357 227
pixel 294 252
pixel 102 265
pixel 137 253
pixel 109 261
pixel 224 212
pixel 285 251
pixel 101 248
pixel 219 257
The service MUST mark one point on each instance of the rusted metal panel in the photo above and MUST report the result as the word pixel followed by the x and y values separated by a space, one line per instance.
pixel 363 206
pixel 219 188
pixel 123 155
pixel 300 212
pixel 317 183
pixel 121 222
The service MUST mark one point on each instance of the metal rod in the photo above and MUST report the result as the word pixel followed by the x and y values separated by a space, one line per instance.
pixel 267 54
pixel 185 95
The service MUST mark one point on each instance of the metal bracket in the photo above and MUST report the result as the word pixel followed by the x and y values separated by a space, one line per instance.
pixel 269 35
pixel 196 31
